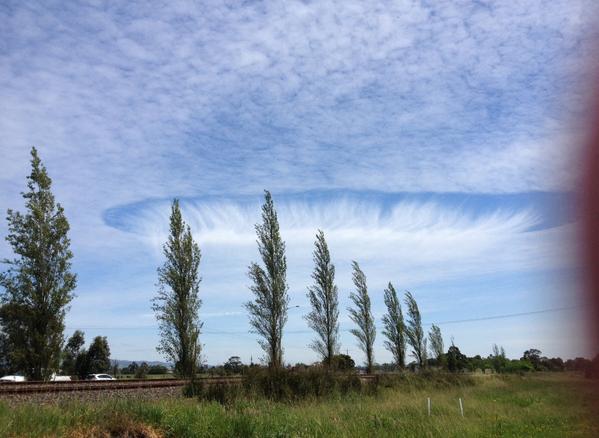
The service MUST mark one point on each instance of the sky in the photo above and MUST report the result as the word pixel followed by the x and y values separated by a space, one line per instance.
pixel 436 143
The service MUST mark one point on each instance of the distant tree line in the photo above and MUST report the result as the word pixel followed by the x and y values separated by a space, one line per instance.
pixel 141 370
pixel 452 361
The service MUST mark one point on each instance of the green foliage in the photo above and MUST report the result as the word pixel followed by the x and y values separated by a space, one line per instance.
pixel 142 371
pixel 157 369
pixel 518 366
pixel 94 360
pixel 285 385
pixel 131 368
pixel 38 285
pixel 456 361
pixel 394 328
pixel 224 393
pixel 5 365
pixel 268 311
pixel 426 379
pixel 177 303
pixel 71 351
pixel 533 356
pixel 323 296
pixel 478 363
pixel 498 359
pixel 541 363
pixel 98 355
pixel 436 342
pixel 342 362
pixel 553 364
pixel 234 365
pixel 194 388
pixel 414 331
pixel 361 315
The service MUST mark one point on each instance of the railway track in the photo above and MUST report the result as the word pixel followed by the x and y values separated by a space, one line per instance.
pixel 106 385
pixel 112 385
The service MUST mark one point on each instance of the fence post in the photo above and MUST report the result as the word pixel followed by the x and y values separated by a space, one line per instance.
pixel 429 405
pixel 461 407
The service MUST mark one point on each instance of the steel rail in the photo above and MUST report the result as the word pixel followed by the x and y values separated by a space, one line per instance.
pixel 104 385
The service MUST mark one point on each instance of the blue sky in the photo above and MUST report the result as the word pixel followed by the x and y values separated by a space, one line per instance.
pixel 436 144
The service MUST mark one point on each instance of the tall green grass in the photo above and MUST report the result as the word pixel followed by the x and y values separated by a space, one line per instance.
pixel 540 405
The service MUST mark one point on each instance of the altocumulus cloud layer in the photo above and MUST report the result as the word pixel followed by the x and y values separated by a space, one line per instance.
pixel 131 104
pixel 462 96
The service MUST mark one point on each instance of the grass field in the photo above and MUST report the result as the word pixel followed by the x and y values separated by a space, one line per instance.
pixel 543 405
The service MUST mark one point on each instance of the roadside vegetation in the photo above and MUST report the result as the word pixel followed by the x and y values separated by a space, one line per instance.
pixel 542 404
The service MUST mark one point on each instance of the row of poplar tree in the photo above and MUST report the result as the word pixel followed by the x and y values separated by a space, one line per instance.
pixel 38 287
pixel 177 303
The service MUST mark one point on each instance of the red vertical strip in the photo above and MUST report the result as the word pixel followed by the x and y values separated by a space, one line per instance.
pixel 590 223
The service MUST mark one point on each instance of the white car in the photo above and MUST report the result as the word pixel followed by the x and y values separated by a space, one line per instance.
pixel 12 379
pixel 57 378
pixel 100 377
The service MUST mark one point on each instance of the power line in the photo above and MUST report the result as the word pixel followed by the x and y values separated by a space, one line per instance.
pixel 508 315
pixel 455 321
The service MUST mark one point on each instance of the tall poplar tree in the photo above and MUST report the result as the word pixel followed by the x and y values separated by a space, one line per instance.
pixel 416 337
pixel 394 327
pixel 361 315
pixel 323 296
pixel 38 285
pixel 435 340
pixel 268 311
pixel 177 303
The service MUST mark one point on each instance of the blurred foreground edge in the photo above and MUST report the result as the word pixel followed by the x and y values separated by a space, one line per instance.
pixel 590 221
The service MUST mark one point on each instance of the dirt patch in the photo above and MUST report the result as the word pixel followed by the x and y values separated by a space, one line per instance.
pixel 120 429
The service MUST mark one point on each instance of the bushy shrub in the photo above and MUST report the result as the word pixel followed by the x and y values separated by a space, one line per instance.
pixel 292 385
pixel 224 393
pixel 342 362
pixel 194 388
pixel 519 366
pixel 142 371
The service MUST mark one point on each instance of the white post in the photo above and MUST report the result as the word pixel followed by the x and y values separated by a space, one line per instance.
pixel 429 405
pixel 461 407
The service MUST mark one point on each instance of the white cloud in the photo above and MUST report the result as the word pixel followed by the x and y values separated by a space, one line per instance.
pixel 408 241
